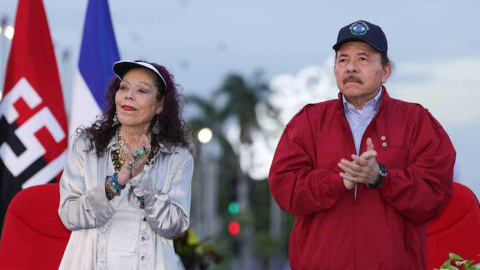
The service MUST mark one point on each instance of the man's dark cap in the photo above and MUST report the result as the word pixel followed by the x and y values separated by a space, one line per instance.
pixel 363 31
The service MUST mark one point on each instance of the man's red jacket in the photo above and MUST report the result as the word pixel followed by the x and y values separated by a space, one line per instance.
pixel 380 229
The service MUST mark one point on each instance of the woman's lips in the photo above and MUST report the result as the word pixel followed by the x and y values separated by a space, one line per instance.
pixel 128 108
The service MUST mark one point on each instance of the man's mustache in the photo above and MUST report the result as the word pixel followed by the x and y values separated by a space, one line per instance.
pixel 352 78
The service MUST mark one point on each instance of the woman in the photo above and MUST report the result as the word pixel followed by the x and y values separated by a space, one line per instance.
pixel 125 190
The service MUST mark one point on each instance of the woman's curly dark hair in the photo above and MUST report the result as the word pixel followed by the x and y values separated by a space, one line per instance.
pixel 170 119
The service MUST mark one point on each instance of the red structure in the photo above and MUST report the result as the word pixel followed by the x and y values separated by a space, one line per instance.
pixel 33 236
pixel 456 230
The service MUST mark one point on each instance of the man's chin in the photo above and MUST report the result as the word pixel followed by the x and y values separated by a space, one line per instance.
pixel 351 90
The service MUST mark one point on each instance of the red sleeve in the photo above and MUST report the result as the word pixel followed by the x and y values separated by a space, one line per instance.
pixel 297 186
pixel 421 191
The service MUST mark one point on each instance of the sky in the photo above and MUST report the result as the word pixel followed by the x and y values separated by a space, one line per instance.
pixel 433 44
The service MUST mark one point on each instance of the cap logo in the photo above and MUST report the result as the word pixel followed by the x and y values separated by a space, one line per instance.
pixel 359 28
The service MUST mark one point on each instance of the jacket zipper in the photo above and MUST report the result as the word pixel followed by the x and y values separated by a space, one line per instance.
pixel 355 192
pixel 355 186
pixel 354 235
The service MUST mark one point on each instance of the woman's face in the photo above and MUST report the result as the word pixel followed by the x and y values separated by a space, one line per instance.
pixel 136 99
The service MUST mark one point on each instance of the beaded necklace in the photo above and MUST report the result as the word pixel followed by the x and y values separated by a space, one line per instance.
pixel 119 156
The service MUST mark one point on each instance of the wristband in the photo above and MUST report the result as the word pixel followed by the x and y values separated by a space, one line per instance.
pixel 114 186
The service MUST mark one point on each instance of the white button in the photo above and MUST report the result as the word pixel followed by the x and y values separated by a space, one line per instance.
pixel 383 138
pixel 384 144
pixel 143 258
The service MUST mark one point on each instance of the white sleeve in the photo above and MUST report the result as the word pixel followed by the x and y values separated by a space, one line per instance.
pixel 82 207
pixel 168 211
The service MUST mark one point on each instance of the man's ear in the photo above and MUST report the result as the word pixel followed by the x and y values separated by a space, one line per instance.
pixel 387 71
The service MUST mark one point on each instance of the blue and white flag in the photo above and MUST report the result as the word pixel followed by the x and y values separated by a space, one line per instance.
pixel 97 55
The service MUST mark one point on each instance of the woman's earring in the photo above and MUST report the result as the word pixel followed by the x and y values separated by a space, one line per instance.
pixel 115 120
pixel 157 128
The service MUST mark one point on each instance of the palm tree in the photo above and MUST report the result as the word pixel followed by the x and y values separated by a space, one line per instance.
pixel 242 99
pixel 205 186
pixel 212 117
pixel 239 99
pixel 209 114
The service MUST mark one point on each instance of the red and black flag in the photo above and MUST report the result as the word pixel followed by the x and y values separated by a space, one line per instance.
pixel 33 125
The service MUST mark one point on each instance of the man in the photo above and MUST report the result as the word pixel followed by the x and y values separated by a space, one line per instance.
pixel 362 174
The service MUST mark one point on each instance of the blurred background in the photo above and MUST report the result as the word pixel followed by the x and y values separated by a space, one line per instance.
pixel 246 67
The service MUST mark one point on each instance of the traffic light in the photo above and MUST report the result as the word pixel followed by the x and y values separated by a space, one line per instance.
pixel 234 208
pixel 234 227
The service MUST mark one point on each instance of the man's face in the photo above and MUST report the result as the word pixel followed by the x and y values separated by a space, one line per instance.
pixel 359 72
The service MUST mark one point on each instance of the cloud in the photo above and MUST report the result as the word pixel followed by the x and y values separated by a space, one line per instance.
pixel 450 88
pixel 290 92
pixel 312 84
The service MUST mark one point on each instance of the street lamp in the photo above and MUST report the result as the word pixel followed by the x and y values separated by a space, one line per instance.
pixel 8 32
pixel 205 135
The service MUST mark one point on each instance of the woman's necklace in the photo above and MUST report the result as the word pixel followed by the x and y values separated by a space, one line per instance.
pixel 119 156
pixel 123 149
